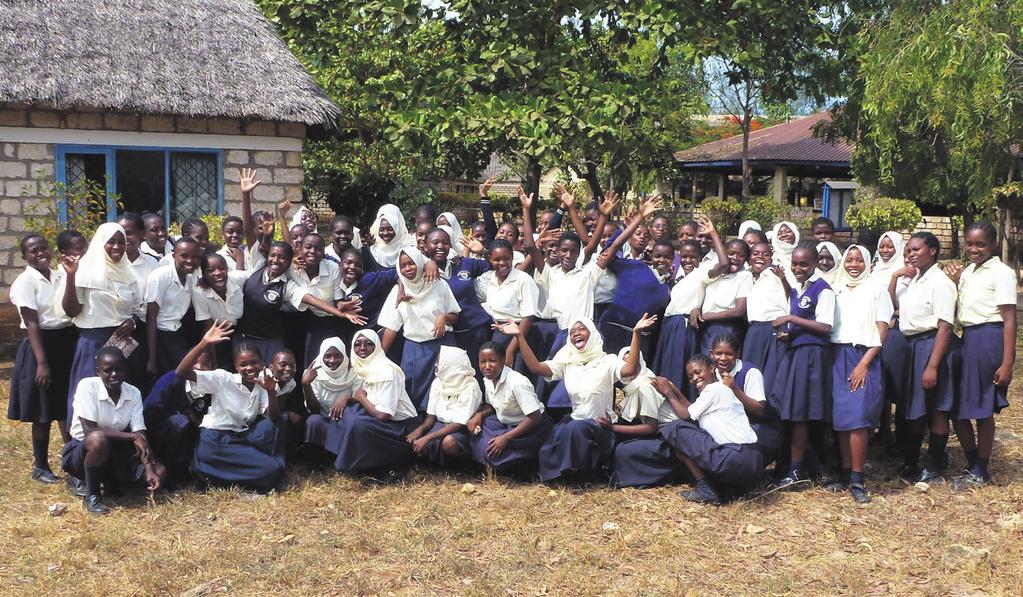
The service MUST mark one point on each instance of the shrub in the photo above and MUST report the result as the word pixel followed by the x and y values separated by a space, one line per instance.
pixel 87 209
pixel 881 214
pixel 723 213
pixel 763 210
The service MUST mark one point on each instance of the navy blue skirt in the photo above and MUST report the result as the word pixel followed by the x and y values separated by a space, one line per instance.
pixel 361 443
pixel 29 402
pixel 124 464
pixel 894 361
pixel 171 348
pixel 251 459
pixel 733 464
pixel 675 346
pixel 417 361
pixel 979 398
pixel 435 453
pixel 860 409
pixel 173 440
pixel 316 429
pixel 523 450
pixel 712 330
pixel 545 389
pixel 267 347
pixel 770 438
pixel 574 446
pixel 915 402
pixel 802 390
pixel 762 349
pixel 646 462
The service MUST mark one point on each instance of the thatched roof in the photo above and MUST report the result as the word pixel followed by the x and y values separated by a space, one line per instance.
pixel 200 58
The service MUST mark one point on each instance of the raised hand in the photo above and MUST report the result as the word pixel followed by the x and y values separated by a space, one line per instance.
pixel 69 263
pixel 247 179
pixel 564 195
pixel 706 224
pixel 219 332
pixel 475 247
pixel 509 328
pixel 646 322
pixel 651 205
pixel 547 236
pixel 610 203
pixel 355 318
pixel 310 374
pixel 953 269
pixel 283 208
pixel 485 187
pixel 526 200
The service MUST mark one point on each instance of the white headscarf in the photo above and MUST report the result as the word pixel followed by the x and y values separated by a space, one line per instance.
pixel 329 383
pixel 783 250
pixel 455 230
pixel 376 367
pixel 845 279
pixel 297 218
pixel 96 269
pixel 747 226
pixel 831 276
pixel 455 375
pixel 885 269
pixel 594 349
pixel 417 287
pixel 386 254
pixel 640 398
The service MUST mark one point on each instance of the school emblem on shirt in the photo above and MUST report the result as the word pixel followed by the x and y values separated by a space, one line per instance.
pixel 355 297
pixel 804 302
pixel 463 275
pixel 272 296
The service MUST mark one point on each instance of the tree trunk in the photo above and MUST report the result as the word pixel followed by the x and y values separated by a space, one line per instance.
pixel 747 174
pixel 593 180
pixel 533 175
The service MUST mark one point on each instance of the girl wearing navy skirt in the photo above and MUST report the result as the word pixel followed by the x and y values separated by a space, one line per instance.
pixel 369 434
pixel 829 262
pixel 926 313
pixel 724 301
pixel 768 300
pixel 582 440
pixel 802 391
pixel 424 312
pixel 42 365
pixel 327 385
pixel 639 451
pixel 168 298
pixel 455 396
pixel 102 296
pixel 241 439
pixel 890 259
pixel 508 294
pixel 784 238
pixel 987 313
pixel 718 450
pixel 862 312
pixel 509 429
pixel 390 236
pixel 678 339
pixel 322 279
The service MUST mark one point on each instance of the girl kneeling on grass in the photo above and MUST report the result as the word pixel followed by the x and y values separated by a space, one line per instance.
pixel 510 428
pixel 327 385
pixel 582 440
pixel 454 397
pixel 241 440
pixel 108 433
pixel 369 433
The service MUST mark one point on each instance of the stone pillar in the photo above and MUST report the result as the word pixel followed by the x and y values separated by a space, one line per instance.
pixel 780 184
pixel 722 179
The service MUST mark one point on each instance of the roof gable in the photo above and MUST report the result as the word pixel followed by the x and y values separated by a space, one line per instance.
pixel 791 141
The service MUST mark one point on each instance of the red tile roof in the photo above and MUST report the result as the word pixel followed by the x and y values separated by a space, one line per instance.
pixel 792 141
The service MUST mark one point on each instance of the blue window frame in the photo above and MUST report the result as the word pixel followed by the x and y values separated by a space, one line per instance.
pixel 193 182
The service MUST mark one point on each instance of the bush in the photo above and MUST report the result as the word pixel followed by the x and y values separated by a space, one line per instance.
pixel 763 210
pixel 881 214
pixel 87 209
pixel 723 213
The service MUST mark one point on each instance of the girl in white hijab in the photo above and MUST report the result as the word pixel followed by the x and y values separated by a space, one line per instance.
pixel 889 257
pixel 101 295
pixel 784 238
pixel 833 258
pixel 581 440
pixel 424 313
pixel 369 436
pixel 390 236
pixel 747 226
pixel 863 310
pixel 448 219
pixel 455 396
pixel 328 386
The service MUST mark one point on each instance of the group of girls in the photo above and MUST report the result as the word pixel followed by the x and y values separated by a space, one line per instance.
pixel 595 354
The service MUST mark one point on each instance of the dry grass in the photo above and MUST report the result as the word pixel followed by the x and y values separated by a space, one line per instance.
pixel 328 535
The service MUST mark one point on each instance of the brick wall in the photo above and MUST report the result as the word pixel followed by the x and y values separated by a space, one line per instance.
pixel 27 168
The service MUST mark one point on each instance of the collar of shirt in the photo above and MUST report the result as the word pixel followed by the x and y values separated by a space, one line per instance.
pixel 38 275
pixel 266 277
pixel 124 399
pixel 816 275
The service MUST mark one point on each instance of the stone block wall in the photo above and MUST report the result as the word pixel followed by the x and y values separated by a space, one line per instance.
pixel 28 169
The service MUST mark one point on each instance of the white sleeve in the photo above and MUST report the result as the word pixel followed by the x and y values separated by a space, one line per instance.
pixel 943 301
pixel 387 401
pixel 529 297
pixel 557 370
pixel 431 401
pixel 885 310
pixel 702 404
pixel 525 396
pixel 754 386
pixel 209 382
pixel 450 302
pixel 480 285
pixel 825 311
pixel 202 311
pixel 594 271
pixel 156 285
pixel 86 402
pixel 390 317
pixel 138 421
pixel 23 293
pixel 745 285
pixel 294 293
pixel 1005 287
pixel 335 284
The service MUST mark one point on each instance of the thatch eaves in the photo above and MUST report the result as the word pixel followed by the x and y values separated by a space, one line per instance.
pixel 198 58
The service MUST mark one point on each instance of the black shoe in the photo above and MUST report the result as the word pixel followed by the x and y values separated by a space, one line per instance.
pixel 794 481
pixel 929 475
pixel 909 474
pixel 95 506
pixel 836 486
pixel 859 493
pixel 44 475
pixel 969 481
pixel 702 493
pixel 75 486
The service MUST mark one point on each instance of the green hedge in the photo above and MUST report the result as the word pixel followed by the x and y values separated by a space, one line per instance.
pixel 882 214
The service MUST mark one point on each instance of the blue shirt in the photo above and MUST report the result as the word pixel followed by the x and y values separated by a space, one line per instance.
pixel 639 291
pixel 167 398
pixel 464 271
pixel 373 287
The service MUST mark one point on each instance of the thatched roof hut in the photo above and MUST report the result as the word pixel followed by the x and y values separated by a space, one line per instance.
pixel 201 58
